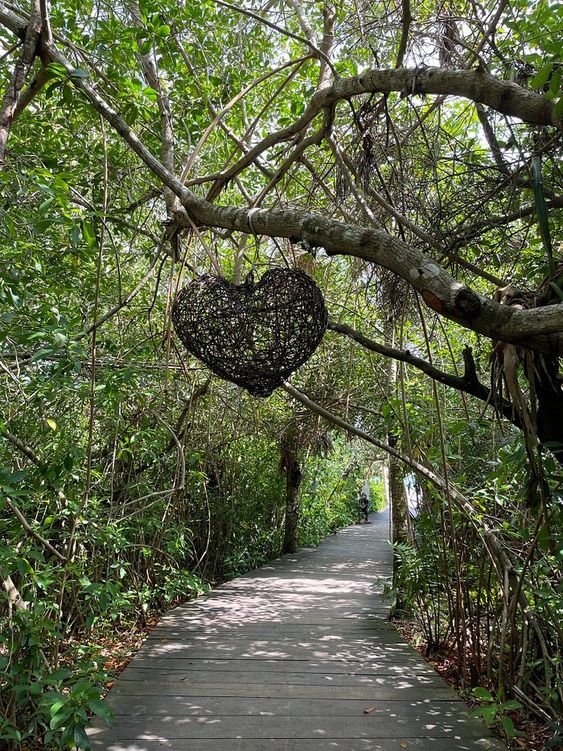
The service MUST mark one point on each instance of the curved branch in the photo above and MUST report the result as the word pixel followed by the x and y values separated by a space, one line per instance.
pixel 468 382
pixel 480 87
pixel 538 328
pixel 503 96
pixel 32 533
pixel 441 292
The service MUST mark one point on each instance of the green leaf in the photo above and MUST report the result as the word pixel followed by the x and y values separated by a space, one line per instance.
pixel 16 477
pixel 508 727
pixel 541 208
pixel 80 738
pixel 511 704
pixel 9 733
pixel 54 708
pixel 68 95
pixel 482 694
pixel 60 718
pixel 541 76
pixel 89 233
pixel 101 709
pixel 24 566
pixel 51 423
pixel 489 713
pixel 56 70
pixel 59 675
pixel 555 83
pixel 10 226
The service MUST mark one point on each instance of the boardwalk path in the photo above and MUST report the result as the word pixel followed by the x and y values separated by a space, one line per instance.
pixel 296 656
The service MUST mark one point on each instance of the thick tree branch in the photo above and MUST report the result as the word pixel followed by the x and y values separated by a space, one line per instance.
pixel 303 22
pixel 503 96
pixel 408 224
pixel 30 92
pixel 440 290
pixel 21 69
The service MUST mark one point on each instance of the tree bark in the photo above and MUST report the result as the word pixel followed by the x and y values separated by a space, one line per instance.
pixel 400 524
pixel 21 70
pixel 15 600
pixel 292 469
pixel 400 528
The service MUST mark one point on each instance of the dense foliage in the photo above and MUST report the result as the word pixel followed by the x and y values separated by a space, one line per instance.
pixel 130 478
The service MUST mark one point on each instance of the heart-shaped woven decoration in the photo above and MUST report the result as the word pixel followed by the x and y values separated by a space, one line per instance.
pixel 254 335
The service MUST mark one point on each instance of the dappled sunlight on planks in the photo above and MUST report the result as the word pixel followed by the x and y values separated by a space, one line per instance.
pixel 298 656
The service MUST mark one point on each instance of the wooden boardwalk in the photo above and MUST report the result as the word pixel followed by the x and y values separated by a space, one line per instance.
pixel 296 656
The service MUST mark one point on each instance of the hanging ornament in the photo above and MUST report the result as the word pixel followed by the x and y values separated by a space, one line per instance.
pixel 254 335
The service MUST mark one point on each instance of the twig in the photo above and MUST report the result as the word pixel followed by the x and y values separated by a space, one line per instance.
pixel 243 11
pixel 32 533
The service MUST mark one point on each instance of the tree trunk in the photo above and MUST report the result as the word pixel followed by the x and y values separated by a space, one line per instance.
pixel 292 469
pixel 400 524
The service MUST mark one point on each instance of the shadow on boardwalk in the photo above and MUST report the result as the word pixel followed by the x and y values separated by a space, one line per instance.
pixel 298 656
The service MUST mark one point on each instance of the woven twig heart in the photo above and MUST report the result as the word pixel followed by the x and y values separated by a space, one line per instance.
pixel 252 334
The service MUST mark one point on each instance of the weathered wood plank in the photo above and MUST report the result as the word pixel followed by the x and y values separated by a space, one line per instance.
pixel 427 743
pixel 230 727
pixel 255 666
pixel 301 687
pixel 270 649
pixel 290 677
pixel 346 629
pixel 273 705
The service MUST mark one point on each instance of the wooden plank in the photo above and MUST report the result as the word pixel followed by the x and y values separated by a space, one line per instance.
pixel 234 619
pixel 327 744
pixel 229 727
pixel 333 626
pixel 272 649
pixel 273 705
pixel 194 621
pixel 254 667
pixel 300 687
pixel 287 597
pixel 361 635
pixel 360 678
